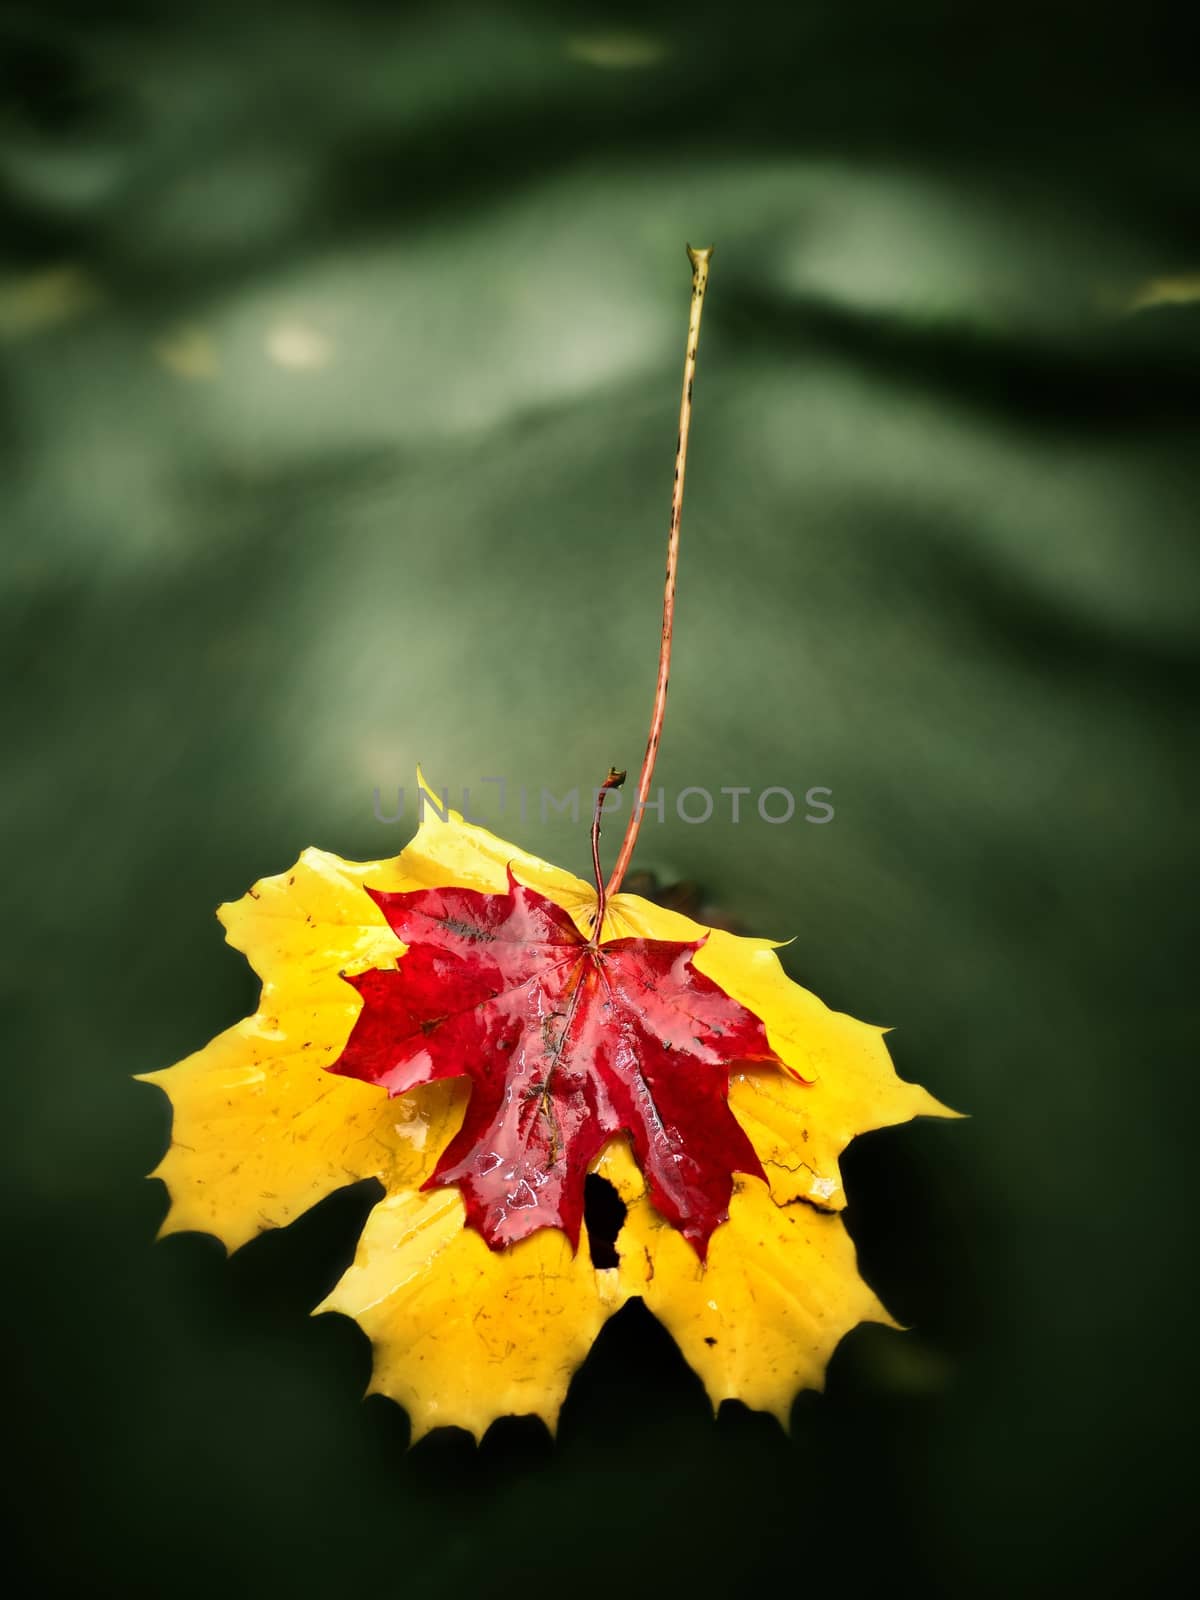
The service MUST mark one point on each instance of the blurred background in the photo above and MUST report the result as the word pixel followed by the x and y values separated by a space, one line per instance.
pixel 341 347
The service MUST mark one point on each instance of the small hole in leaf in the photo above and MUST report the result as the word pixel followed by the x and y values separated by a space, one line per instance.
pixel 604 1215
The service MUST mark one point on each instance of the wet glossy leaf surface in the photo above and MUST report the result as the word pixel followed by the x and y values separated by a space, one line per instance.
pixel 469 1324
pixel 567 1045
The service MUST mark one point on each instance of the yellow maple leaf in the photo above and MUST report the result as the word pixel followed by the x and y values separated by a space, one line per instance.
pixel 463 1334
pixel 475 1314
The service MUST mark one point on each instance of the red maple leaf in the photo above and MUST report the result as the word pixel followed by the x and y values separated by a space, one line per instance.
pixel 567 1042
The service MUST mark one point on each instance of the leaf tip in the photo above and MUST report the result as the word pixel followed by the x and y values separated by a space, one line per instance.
pixel 928 1105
